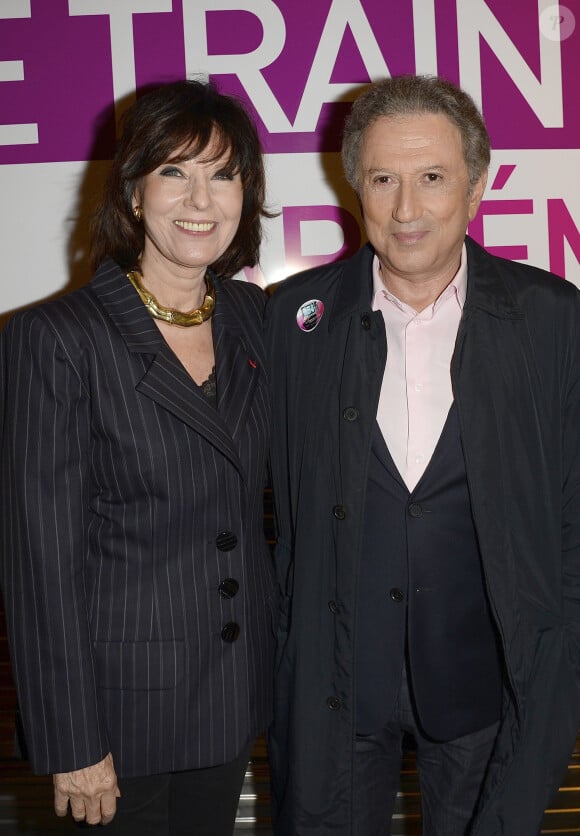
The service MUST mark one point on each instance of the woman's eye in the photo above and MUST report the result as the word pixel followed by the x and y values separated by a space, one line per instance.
pixel 170 171
pixel 224 175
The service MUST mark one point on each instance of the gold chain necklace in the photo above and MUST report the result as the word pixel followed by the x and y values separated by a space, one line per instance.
pixel 170 315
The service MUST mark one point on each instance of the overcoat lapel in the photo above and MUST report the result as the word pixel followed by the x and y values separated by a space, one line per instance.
pixel 166 381
pixel 489 337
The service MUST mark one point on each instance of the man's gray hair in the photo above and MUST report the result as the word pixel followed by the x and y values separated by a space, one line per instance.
pixel 414 94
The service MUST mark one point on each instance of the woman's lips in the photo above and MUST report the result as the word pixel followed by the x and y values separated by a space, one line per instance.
pixel 196 226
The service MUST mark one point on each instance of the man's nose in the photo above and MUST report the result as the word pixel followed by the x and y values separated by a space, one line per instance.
pixel 406 205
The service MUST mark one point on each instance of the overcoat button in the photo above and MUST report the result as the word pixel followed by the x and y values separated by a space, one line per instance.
pixel 350 413
pixel 333 703
pixel 231 632
pixel 415 510
pixel 333 607
pixel 226 541
pixel 397 595
pixel 339 512
pixel 228 587
pixel 365 321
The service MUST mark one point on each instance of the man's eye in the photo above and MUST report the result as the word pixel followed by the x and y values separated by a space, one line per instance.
pixel 432 176
pixel 382 179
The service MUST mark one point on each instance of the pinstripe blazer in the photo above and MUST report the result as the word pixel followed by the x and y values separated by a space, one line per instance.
pixel 118 478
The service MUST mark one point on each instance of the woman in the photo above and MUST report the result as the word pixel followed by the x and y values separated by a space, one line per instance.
pixel 137 580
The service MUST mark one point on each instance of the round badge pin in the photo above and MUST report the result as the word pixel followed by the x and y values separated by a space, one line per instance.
pixel 309 314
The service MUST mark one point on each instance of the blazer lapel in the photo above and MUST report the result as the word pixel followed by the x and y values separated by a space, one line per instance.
pixel 168 384
pixel 381 451
pixel 237 364
pixel 165 381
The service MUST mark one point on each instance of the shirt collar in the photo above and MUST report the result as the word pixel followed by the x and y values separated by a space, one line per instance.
pixel 456 288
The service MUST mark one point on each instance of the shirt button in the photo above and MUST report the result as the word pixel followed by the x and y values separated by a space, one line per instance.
pixel 333 703
pixel 418 387
pixel 339 512
pixel 365 321
pixel 228 588
pixel 333 607
pixel 226 541
pixel 397 595
pixel 350 413
pixel 415 510
pixel 230 632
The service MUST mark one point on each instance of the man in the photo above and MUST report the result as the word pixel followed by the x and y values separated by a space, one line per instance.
pixel 426 467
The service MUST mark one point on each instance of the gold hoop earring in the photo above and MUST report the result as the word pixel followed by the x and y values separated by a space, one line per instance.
pixel 138 213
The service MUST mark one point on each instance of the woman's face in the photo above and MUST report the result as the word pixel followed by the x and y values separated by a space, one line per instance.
pixel 191 211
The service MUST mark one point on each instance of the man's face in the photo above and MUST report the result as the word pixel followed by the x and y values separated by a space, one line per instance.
pixel 415 196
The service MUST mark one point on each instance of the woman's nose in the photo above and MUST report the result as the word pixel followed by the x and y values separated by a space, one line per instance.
pixel 199 195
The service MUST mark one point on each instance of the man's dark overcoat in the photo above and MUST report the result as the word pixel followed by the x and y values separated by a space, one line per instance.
pixel 516 384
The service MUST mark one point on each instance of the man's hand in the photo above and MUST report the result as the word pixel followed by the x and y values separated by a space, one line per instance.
pixel 92 792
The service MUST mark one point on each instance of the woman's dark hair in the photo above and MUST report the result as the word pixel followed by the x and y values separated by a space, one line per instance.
pixel 162 122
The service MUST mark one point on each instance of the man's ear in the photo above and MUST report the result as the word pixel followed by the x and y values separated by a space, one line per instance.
pixel 476 194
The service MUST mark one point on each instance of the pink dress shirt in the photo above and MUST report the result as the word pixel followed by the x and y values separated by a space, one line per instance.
pixel 416 390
